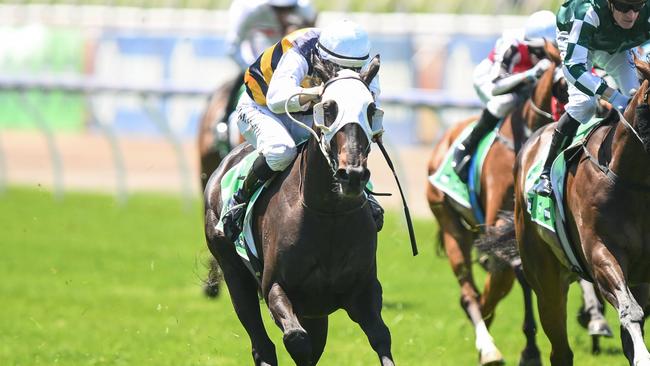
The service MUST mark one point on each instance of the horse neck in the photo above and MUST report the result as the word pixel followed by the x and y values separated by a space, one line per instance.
pixel 318 188
pixel 629 159
pixel 541 98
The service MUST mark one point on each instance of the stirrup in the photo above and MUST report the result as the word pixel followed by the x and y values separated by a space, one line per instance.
pixel 233 220
pixel 543 186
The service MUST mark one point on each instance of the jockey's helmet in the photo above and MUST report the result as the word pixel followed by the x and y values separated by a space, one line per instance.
pixel 627 5
pixel 540 26
pixel 344 43
pixel 283 3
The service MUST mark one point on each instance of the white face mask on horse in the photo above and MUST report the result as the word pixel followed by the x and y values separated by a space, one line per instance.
pixel 348 96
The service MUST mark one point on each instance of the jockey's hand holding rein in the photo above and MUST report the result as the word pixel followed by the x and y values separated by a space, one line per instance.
pixel 615 98
pixel 310 95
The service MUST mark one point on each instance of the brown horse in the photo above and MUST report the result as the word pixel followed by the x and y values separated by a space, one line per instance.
pixel 214 130
pixel 457 233
pixel 606 200
pixel 314 232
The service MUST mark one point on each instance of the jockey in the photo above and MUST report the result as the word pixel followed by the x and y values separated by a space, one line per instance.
pixel 595 32
pixel 259 24
pixel 280 72
pixel 513 62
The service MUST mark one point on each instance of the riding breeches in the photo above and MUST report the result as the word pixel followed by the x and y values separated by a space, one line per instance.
pixel 619 66
pixel 274 135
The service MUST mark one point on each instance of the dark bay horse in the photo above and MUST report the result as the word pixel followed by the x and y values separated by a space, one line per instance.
pixel 457 236
pixel 215 136
pixel 606 202
pixel 315 233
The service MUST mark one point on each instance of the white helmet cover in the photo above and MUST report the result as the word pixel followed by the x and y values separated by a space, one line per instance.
pixel 283 3
pixel 540 26
pixel 345 43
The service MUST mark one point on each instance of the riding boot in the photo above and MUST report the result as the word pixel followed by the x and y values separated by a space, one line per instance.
pixel 233 219
pixel 377 212
pixel 464 151
pixel 562 136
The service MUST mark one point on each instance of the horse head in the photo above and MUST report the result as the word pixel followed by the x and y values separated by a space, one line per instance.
pixel 347 119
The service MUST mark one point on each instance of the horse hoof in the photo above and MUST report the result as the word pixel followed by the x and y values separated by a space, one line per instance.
pixel 491 358
pixel 599 327
pixel 297 343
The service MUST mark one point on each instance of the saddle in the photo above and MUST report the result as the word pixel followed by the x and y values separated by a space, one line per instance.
pixel 549 213
pixel 465 197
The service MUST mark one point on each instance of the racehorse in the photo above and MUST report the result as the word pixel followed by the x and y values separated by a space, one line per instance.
pixel 314 231
pixel 457 233
pixel 215 136
pixel 606 199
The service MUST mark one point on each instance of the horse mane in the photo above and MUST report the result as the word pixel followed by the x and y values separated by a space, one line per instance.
pixel 323 70
pixel 552 52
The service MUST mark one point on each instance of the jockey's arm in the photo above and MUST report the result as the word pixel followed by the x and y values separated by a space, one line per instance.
pixel 576 64
pixel 285 82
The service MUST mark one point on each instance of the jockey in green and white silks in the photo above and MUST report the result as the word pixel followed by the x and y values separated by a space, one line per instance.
pixel 280 72
pixel 592 33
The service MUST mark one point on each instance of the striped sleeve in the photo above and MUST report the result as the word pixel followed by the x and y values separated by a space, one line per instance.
pixel 577 66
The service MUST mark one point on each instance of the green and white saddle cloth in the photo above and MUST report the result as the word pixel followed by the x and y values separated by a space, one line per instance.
pixel 549 212
pixel 232 181
pixel 465 196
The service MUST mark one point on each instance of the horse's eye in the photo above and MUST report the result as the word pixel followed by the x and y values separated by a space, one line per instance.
pixel 331 110
pixel 371 112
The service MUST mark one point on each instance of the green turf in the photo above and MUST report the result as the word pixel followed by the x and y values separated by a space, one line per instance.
pixel 85 282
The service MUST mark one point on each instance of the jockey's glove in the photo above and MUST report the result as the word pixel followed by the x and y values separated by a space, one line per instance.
pixel 310 94
pixel 615 98
pixel 539 68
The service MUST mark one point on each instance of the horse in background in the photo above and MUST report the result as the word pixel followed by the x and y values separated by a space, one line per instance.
pixel 606 198
pixel 314 231
pixel 457 233
pixel 218 133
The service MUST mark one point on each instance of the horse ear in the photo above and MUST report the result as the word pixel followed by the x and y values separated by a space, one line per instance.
pixel 372 70
pixel 552 52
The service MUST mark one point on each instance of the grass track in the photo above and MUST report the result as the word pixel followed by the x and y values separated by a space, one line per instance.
pixel 84 282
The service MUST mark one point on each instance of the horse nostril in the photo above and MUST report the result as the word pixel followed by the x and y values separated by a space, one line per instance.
pixel 341 175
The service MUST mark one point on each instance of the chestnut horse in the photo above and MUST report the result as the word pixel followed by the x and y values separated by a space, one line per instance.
pixel 315 234
pixel 457 237
pixel 606 201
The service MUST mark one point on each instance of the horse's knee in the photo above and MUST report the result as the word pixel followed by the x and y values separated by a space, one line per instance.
pixel 298 345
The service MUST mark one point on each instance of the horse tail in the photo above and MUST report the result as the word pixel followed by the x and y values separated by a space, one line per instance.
pixel 499 242
pixel 440 245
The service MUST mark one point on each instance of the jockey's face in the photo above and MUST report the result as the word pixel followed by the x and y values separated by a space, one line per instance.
pixel 624 15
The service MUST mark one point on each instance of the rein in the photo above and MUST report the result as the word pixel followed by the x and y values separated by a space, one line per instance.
pixel 539 111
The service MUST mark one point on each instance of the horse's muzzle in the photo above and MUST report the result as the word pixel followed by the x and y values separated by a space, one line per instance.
pixel 352 179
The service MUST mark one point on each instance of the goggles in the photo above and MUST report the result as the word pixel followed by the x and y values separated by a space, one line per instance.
pixel 624 8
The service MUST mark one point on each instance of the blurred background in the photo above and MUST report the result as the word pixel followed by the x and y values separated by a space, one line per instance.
pixel 108 95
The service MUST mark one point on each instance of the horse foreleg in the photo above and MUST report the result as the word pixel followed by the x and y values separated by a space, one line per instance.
pixel 530 356
pixel 295 337
pixel 317 330
pixel 365 310
pixel 611 281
